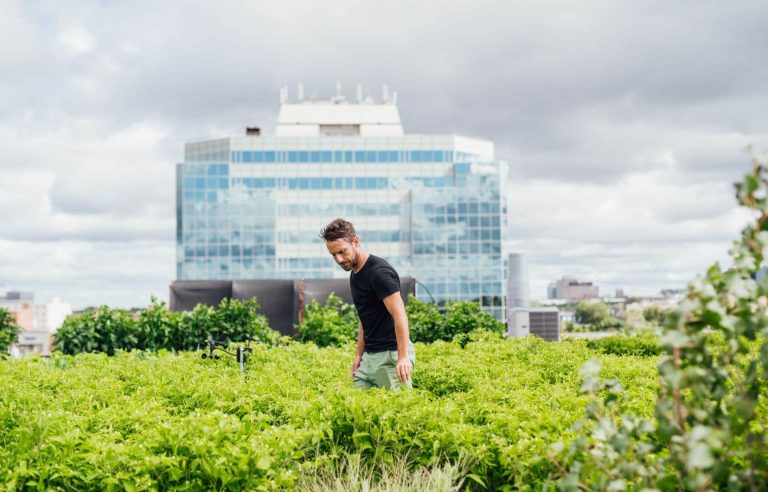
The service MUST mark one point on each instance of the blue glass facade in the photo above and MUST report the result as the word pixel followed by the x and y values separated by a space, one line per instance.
pixel 432 205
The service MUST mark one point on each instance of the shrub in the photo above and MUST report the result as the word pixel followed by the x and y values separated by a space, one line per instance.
pixel 237 321
pixel 427 324
pixel 424 321
pixel 708 430
pixel 644 345
pixel 158 327
pixel 99 330
pixel 107 330
pixel 465 317
pixel 329 325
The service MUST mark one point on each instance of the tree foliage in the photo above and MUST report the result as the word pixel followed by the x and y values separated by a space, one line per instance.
pixel 596 315
pixel 709 430
pixel 9 330
pixel 654 314
pixel 592 313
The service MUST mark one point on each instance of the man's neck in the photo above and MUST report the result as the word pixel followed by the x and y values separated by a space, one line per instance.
pixel 363 258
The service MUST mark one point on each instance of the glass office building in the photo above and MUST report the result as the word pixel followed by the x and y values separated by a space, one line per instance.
pixel 251 206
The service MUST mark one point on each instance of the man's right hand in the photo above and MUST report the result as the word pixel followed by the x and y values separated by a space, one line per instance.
pixel 355 365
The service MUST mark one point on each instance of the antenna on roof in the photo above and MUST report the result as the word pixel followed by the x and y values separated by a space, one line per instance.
pixel 300 92
pixel 385 93
pixel 338 98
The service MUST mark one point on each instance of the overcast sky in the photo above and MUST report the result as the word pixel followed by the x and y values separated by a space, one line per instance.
pixel 625 124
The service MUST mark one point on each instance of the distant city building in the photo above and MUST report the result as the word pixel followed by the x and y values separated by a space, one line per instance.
pixel 21 307
pixel 33 343
pixel 251 206
pixel 48 317
pixel 672 293
pixel 38 322
pixel 572 290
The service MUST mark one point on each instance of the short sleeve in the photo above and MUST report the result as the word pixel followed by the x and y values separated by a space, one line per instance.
pixel 385 282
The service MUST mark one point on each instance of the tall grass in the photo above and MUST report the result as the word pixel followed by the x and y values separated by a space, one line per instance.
pixel 352 475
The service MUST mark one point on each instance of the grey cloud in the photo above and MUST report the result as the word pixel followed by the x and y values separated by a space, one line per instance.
pixel 590 96
pixel 88 273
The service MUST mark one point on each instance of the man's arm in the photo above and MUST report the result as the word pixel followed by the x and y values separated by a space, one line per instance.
pixel 359 350
pixel 396 308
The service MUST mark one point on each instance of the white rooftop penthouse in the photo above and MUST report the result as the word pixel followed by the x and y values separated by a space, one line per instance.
pixel 339 117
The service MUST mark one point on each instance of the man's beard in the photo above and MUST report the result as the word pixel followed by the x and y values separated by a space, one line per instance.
pixel 352 264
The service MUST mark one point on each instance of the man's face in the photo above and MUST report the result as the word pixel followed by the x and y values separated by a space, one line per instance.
pixel 345 252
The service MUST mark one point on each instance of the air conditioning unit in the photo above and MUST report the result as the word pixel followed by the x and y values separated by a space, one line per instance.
pixel 542 322
pixel 518 323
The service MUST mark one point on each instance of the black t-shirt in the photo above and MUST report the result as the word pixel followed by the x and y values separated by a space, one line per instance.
pixel 375 281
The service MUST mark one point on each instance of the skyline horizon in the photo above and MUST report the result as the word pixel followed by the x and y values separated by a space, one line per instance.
pixel 624 127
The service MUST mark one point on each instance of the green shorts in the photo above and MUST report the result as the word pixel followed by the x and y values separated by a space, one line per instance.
pixel 377 369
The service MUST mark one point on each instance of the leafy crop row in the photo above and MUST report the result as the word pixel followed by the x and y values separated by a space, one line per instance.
pixel 140 421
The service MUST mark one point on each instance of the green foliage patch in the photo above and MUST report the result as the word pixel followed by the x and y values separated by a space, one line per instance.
pixel 142 421
pixel 336 322
pixel 642 344
pixel 329 325
pixel 9 330
pixel 108 330
pixel 427 324
pixel 708 431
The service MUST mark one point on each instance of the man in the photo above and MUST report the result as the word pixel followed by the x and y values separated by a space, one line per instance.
pixel 385 355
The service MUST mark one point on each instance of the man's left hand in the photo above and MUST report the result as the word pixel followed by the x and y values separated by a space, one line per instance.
pixel 403 369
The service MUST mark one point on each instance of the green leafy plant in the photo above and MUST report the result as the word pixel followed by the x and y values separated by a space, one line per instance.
pixel 709 430
pixel 330 325
pixel 107 330
pixel 427 324
pixel 173 421
pixel 643 344
pixel 710 393
pixel 9 330
pixel 100 330
pixel 424 321
pixel 159 327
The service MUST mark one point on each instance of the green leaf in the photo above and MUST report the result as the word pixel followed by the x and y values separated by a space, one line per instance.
pixel 700 457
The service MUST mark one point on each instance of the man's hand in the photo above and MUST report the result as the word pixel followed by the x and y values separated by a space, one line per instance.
pixel 355 365
pixel 403 369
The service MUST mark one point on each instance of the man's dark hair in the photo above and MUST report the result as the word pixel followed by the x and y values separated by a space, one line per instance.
pixel 338 229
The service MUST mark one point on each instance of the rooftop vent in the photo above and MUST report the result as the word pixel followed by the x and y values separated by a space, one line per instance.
pixel 253 131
